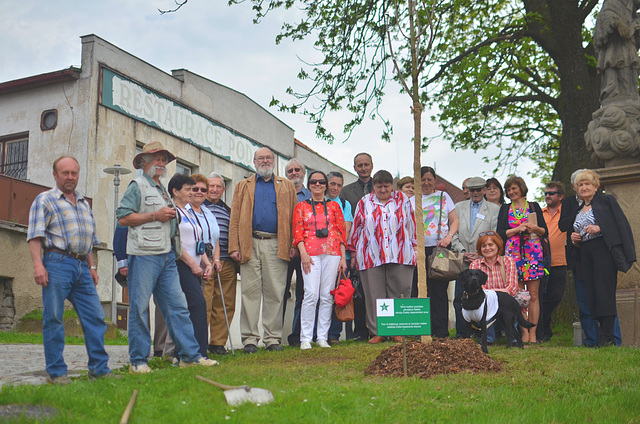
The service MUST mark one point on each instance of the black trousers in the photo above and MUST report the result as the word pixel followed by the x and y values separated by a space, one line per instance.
pixel 601 278
pixel 192 289
pixel 439 302
pixel 554 290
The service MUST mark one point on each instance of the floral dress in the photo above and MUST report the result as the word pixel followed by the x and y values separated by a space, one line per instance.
pixel 526 252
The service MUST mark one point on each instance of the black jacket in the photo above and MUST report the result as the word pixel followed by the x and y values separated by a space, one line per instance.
pixel 503 220
pixel 567 217
pixel 615 230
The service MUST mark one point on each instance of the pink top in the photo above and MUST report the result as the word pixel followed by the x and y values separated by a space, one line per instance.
pixel 384 233
pixel 495 275
pixel 304 228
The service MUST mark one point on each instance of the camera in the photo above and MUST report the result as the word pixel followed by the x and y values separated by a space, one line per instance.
pixel 209 250
pixel 200 248
pixel 322 232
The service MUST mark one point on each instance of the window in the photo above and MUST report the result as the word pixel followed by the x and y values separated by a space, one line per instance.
pixel 14 155
pixel 184 169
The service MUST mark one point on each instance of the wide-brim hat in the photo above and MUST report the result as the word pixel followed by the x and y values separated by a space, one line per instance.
pixel 476 182
pixel 149 149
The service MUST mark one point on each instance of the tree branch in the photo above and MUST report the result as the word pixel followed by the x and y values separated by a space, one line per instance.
pixel 179 4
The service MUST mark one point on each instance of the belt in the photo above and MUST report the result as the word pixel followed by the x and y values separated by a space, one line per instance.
pixel 260 235
pixel 78 256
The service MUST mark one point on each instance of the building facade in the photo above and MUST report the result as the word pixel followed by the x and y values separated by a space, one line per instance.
pixel 103 113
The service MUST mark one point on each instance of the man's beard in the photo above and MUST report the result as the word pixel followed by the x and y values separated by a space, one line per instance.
pixel 298 181
pixel 151 172
pixel 265 173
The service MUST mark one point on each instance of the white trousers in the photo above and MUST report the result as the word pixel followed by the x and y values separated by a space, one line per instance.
pixel 317 284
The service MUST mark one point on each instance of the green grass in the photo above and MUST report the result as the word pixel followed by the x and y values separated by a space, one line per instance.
pixel 36 315
pixel 549 383
pixel 13 337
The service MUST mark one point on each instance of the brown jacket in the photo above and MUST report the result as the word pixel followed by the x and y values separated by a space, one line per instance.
pixel 240 228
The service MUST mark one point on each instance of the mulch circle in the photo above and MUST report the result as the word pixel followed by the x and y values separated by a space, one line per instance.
pixel 441 356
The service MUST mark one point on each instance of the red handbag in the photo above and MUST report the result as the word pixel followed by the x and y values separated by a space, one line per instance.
pixel 344 292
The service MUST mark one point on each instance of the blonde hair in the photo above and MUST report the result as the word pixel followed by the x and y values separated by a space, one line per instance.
pixel 588 175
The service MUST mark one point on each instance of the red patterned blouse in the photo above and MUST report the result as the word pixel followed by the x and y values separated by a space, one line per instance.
pixel 305 224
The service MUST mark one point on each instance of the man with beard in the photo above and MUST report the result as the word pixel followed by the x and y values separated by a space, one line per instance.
pixel 295 173
pixel 260 239
pixel 153 244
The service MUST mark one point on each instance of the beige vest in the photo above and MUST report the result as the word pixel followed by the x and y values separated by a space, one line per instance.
pixel 151 238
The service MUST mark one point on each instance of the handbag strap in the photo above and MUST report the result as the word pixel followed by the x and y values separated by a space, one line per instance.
pixel 440 219
pixel 503 272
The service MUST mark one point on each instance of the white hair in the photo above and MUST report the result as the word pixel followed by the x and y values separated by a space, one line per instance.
pixel 216 175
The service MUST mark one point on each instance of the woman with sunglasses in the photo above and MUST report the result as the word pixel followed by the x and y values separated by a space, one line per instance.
pixel 500 270
pixel 521 224
pixel 205 219
pixel 319 234
pixel 192 259
pixel 384 241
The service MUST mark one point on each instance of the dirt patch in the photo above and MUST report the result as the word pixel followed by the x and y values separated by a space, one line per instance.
pixel 27 411
pixel 441 356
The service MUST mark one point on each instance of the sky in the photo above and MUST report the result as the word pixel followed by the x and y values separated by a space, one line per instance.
pixel 221 43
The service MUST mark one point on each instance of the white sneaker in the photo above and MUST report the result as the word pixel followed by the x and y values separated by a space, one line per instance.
pixel 205 362
pixel 139 369
pixel 323 343
pixel 305 346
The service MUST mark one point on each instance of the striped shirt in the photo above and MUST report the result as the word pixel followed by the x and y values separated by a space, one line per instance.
pixel 583 219
pixel 222 214
pixel 62 224
pixel 494 273
pixel 384 233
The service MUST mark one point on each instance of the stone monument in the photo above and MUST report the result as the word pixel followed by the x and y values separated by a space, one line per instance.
pixel 613 136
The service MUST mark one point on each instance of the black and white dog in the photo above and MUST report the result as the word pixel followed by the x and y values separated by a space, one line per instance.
pixel 484 307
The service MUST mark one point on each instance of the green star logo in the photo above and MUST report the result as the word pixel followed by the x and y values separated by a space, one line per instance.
pixel 384 307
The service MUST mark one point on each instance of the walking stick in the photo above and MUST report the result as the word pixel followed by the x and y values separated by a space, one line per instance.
pixel 226 318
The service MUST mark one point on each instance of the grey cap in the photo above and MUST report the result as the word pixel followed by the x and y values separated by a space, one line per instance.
pixel 476 182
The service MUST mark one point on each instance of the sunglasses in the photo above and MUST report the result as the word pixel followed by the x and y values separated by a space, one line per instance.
pixel 292 170
pixel 487 233
pixel 314 182
pixel 201 189
pixel 550 193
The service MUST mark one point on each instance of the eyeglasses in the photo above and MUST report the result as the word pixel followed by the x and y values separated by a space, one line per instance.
pixel 488 233
pixel 201 189
pixel 476 189
pixel 550 193
pixel 292 170
pixel 314 182
pixel 264 159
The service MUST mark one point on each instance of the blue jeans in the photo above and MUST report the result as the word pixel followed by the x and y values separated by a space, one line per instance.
pixel 158 275
pixel 589 324
pixel 70 279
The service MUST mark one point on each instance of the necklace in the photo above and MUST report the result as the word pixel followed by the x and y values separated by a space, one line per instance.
pixel 517 213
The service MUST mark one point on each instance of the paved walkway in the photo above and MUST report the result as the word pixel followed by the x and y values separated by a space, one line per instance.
pixel 24 363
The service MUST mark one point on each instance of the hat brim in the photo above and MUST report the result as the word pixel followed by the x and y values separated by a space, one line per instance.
pixel 137 161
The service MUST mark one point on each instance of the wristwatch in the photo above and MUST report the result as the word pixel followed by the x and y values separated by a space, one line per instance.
pixel 93 267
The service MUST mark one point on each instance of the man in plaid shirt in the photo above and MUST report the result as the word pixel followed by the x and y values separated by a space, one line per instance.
pixel 61 223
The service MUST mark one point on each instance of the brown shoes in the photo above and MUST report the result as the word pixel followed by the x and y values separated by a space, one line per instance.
pixel 376 339
pixel 397 339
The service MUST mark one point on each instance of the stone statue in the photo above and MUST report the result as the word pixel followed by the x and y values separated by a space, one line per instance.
pixel 616 40
pixel 614 133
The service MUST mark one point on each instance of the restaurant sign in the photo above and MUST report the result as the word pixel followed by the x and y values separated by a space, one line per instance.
pixel 138 102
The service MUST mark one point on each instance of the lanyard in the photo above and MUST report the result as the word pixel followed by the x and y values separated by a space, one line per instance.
pixel 193 227
pixel 313 208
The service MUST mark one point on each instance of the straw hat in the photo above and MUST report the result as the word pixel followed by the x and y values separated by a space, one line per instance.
pixel 149 149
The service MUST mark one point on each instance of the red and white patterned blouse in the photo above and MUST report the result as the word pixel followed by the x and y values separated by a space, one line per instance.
pixel 384 233
pixel 305 224
pixel 495 275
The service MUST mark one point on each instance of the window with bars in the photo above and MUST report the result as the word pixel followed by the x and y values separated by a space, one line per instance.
pixel 14 155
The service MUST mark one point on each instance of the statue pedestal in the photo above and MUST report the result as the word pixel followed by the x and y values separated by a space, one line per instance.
pixel 624 183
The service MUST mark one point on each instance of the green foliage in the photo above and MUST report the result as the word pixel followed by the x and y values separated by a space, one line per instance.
pixel 495 71
pixel 13 337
